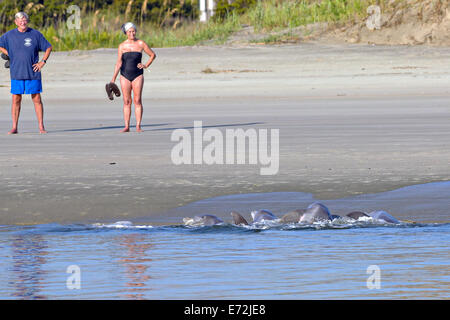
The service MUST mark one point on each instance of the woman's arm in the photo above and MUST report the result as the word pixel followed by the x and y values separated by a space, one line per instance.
pixel 118 64
pixel 151 54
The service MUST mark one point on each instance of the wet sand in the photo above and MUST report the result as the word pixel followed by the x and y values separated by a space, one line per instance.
pixel 353 119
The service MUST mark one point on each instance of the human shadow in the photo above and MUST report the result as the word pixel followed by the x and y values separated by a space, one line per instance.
pixel 158 125
pixel 211 126
pixel 108 128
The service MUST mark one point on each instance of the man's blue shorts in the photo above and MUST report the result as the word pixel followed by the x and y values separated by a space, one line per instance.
pixel 26 86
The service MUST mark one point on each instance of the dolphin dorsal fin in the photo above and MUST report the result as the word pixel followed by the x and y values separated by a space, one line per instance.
pixel 238 218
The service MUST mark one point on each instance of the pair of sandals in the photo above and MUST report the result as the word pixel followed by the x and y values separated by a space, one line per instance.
pixel 6 57
pixel 112 88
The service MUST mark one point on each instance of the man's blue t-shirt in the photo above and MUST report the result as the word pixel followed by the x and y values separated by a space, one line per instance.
pixel 23 50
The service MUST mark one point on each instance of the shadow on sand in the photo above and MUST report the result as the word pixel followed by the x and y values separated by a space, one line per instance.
pixel 158 125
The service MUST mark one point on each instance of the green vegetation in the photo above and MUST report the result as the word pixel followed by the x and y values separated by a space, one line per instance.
pixel 161 23
pixel 225 8
pixel 102 36
pixel 167 23
pixel 46 13
pixel 276 14
pixel 273 14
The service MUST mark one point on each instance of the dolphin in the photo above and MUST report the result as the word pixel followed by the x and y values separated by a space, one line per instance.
pixel 293 216
pixel 257 216
pixel 356 215
pixel 315 212
pixel 384 216
pixel 205 220
pixel 210 220
pixel 238 219
pixel 260 215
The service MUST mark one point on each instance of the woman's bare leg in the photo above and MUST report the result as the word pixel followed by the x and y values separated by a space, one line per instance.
pixel 126 92
pixel 137 86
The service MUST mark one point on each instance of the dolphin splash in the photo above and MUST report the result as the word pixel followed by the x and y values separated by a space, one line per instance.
pixel 315 212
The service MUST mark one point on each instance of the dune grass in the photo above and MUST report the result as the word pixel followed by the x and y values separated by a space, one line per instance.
pixel 274 14
pixel 105 36
pixel 103 31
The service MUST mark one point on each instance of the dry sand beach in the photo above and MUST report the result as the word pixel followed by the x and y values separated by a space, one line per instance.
pixel 353 119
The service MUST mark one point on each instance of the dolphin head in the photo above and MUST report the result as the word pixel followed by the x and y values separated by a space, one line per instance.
pixel 210 220
pixel 384 216
pixel 263 214
pixel 319 205
pixel 316 212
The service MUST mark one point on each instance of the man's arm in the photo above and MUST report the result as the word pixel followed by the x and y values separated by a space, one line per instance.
pixel 3 45
pixel 47 53
pixel 38 66
pixel 3 50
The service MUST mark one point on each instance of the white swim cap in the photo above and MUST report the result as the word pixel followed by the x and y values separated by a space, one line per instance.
pixel 127 26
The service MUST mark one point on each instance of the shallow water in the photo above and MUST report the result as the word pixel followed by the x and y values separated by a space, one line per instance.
pixel 164 259
pixel 269 261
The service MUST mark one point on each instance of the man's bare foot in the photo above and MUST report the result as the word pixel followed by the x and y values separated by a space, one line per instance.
pixel 13 131
pixel 139 129
pixel 126 129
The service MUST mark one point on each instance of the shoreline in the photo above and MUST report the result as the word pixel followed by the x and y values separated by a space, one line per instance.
pixel 422 203
pixel 353 119
pixel 406 203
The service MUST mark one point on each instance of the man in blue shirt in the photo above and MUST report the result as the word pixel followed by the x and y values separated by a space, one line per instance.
pixel 22 45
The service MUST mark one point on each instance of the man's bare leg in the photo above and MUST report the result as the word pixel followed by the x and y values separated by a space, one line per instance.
pixel 15 112
pixel 39 108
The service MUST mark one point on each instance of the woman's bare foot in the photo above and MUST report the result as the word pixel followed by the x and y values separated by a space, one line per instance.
pixel 139 129
pixel 13 131
pixel 42 130
pixel 126 129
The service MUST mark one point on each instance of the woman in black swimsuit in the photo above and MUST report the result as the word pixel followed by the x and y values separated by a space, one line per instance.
pixel 129 63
